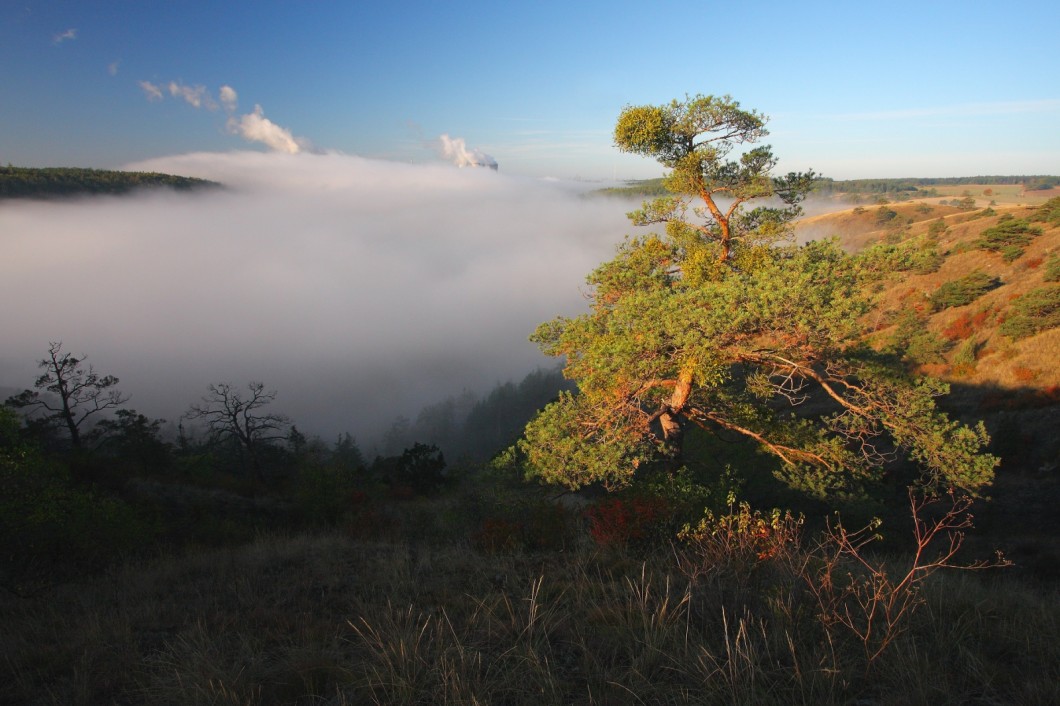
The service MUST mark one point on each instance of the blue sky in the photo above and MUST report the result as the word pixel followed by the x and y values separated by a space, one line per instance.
pixel 853 90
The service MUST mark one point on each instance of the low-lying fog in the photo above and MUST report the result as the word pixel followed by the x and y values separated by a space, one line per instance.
pixel 357 289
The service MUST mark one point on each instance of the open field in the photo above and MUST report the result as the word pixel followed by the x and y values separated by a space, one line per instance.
pixel 1002 194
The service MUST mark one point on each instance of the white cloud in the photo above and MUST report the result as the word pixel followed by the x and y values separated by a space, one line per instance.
pixel 255 127
pixel 229 99
pixel 193 95
pixel 358 289
pixel 153 92
pixel 64 36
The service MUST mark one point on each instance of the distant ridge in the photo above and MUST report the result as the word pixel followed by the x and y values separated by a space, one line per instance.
pixel 905 186
pixel 60 182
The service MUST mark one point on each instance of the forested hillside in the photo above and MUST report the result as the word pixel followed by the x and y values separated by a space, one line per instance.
pixel 56 182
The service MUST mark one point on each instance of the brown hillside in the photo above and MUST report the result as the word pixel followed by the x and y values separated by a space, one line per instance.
pixel 1011 382
pixel 1001 360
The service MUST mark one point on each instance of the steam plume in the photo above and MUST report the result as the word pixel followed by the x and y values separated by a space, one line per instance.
pixel 456 150
pixel 255 127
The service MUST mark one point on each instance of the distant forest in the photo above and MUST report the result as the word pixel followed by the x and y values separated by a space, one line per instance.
pixel 884 186
pixel 906 185
pixel 53 182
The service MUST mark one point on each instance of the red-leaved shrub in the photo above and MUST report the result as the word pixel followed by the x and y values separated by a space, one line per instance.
pixel 619 522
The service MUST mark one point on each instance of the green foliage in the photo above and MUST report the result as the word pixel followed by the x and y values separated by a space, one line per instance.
pixel 1036 311
pixel 922 186
pixel 964 290
pixel 324 492
pixel 1052 268
pixel 642 187
pixel 1048 212
pixel 716 325
pixel 924 347
pixel 937 228
pixel 965 357
pixel 883 259
pixel 26 182
pixel 1009 237
pixel 419 469
pixel 46 519
pixel 74 393
pixel 885 216
pixel 692 138
pixel 135 440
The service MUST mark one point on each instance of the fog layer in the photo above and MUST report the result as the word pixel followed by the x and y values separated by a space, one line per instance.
pixel 357 289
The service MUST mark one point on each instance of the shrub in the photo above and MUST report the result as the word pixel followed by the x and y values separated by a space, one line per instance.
pixel 1037 310
pixel 496 535
pixel 1024 374
pixel 937 228
pixel 965 325
pixel 888 257
pixel 324 493
pixel 965 357
pixel 925 347
pixel 885 215
pixel 965 290
pixel 738 539
pixel 1009 237
pixel 1048 212
pixel 1052 269
pixel 624 522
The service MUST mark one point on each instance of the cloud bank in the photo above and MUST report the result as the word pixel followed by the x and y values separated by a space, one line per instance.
pixel 357 289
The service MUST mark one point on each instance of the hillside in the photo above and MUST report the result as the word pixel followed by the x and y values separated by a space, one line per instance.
pixel 978 304
pixel 59 182
pixel 954 239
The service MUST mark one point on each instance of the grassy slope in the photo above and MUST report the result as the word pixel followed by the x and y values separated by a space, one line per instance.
pixel 999 357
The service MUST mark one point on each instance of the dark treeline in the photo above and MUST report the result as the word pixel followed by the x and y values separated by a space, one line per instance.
pixel 87 479
pixel 922 186
pixel 52 182
pixel 638 188
pixel 474 429
pixel 911 184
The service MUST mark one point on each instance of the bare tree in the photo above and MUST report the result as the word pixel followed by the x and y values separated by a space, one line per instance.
pixel 229 414
pixel 76 393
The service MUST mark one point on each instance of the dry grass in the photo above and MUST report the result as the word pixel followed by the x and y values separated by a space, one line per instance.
pixel 326 619
pixel 999 357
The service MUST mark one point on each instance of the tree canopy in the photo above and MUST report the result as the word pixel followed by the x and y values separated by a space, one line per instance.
pixel 721 324
pixel 72 393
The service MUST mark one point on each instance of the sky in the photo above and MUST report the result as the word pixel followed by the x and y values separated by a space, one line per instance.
pixel 853 90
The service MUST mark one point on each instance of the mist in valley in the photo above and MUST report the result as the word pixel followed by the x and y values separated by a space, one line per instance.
pixel 358 289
